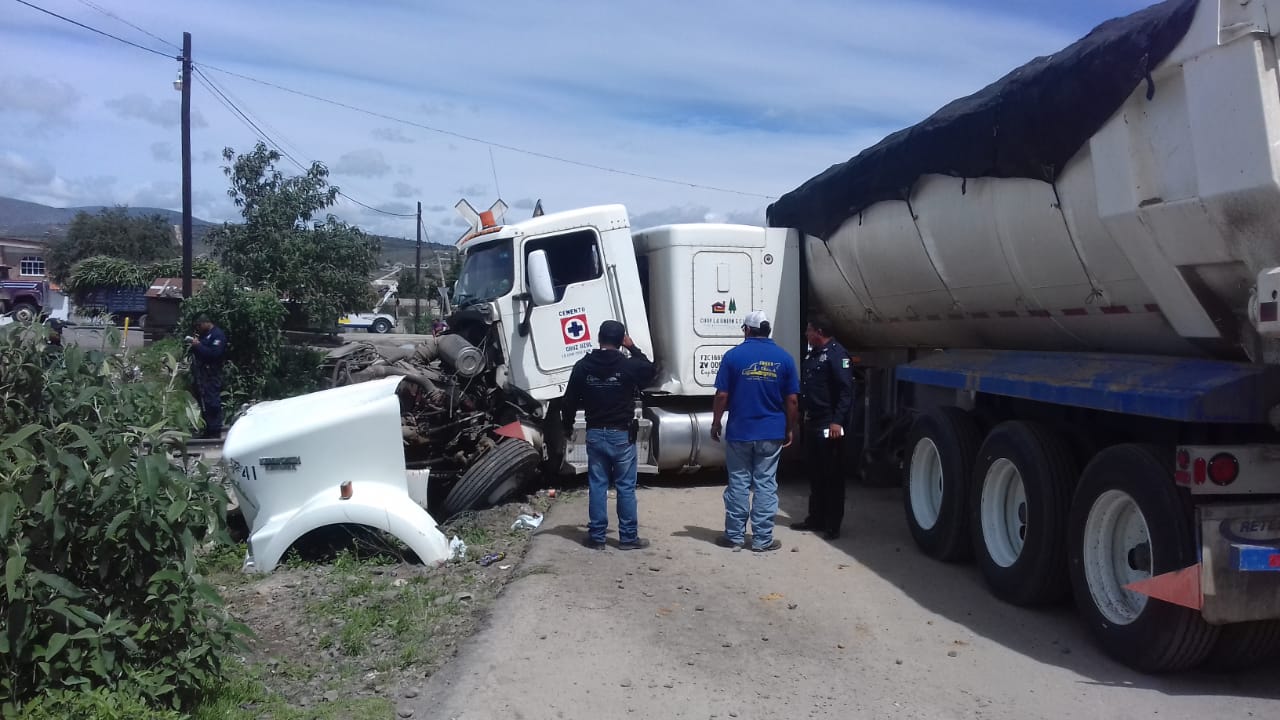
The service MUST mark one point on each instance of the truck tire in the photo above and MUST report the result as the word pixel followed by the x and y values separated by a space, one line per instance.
pixel 1022 485
pixel 25 313
pixel 1246 645
pixel 494 477
pixel 943 443
pixel 1130 522
pixel 382 326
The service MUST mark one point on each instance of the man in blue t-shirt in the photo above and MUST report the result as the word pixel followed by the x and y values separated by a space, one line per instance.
pixel 759 385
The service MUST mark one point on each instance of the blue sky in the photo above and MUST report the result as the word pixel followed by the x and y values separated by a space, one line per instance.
pixel 750 97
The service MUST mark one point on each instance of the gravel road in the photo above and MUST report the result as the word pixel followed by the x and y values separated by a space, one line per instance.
pixel 862 627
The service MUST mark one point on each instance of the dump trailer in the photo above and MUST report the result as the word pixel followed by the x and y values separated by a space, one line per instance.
pixel 1062 294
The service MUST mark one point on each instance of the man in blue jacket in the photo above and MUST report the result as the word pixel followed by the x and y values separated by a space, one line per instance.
pixel 758 384
pixel 207 352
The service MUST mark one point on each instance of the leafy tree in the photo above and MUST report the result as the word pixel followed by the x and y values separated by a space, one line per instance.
pixel 112 232
pixel 322 264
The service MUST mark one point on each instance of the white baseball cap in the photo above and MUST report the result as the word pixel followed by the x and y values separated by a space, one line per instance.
pixel 755 319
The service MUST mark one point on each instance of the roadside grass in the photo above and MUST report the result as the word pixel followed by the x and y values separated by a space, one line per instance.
pixel 395 615
pixel 246 695
pixel 223 562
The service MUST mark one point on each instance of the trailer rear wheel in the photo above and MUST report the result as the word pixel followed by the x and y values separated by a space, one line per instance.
pixel 1129 522
pixel 494 477
pixel 1021 497
pixel 943 443
pixel 1246 645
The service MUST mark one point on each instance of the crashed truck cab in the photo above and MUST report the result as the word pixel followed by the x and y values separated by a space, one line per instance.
pixel 329 458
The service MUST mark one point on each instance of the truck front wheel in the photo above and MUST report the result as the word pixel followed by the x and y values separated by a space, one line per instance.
pixel 943 444
pixel 492 478
pixel 25 312
pixel 1021 496
pixel 1129 522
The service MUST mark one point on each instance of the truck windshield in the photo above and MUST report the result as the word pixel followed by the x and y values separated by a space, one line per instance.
pixel 487 273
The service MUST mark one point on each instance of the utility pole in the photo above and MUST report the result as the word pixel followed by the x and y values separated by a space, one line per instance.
pixel 417 275
pixel 186 165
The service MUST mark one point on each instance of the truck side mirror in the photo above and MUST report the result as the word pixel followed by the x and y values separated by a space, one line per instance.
pixel 540 285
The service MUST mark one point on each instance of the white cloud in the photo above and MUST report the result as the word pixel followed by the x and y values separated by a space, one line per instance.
pixel 695 214
pixel 392 134
pixel 163 151
pixel 47 99
pixel 26 171
pixel 362 163
pixel 405 190
pixel 162 113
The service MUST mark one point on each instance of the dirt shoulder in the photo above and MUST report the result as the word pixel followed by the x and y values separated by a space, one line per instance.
pixel 861 627
pixel 355 632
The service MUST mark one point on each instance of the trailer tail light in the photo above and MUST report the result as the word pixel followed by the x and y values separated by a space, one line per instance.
pixel 1199 471
pixel 1223 469
pixel 1184 459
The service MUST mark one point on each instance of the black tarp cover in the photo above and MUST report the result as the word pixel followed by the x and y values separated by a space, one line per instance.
pixel 1027 124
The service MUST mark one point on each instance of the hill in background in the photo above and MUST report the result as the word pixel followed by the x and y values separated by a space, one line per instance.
pixel 33 221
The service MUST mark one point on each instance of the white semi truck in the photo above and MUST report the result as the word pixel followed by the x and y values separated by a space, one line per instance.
pixel 1061 292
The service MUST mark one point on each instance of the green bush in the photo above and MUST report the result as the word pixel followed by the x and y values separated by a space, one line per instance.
pixel 93 705
pixel 100 532
pixel 252 320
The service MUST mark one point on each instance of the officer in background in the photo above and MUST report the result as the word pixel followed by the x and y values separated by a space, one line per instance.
pixel 208 351
pixel 827 401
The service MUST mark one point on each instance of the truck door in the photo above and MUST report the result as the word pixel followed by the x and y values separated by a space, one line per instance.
pixel 564 331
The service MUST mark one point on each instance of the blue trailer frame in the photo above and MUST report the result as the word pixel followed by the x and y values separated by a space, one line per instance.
pixel 1179 389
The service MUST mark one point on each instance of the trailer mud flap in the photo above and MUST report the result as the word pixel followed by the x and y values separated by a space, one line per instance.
pixel 1240 562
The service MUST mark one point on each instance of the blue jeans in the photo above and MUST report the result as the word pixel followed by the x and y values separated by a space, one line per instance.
pixel 611 456
pixel 753 467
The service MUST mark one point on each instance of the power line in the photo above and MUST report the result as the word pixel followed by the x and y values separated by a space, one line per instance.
pixel 482 141
pixel 94 29
pixel 244 117
pixel 233 101
pixel 114 16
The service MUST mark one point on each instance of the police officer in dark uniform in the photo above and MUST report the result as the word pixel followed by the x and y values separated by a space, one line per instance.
pixel 208 351
pixel 826 398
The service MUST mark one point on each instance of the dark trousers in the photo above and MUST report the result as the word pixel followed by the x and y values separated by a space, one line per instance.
pixel 826 480
pixel 209 393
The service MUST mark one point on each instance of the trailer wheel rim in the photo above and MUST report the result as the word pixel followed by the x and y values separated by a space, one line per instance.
pixel 925 483
pixel 1117 552
pixel 1004 512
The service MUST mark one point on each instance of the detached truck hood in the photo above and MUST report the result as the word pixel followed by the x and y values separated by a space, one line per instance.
pixel 333 457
